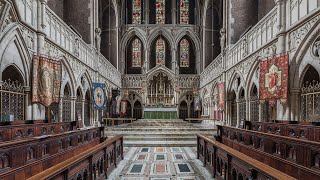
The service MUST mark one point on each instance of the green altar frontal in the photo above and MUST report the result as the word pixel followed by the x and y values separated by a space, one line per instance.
pixel 160 113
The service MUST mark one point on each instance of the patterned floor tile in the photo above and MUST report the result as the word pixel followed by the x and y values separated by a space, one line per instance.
pixel 160 157
pixel 136 168
pixel 144 150
pixel 142 157
pixel 178 157
pixel 183 168
pixel 160 150
pixel 175 149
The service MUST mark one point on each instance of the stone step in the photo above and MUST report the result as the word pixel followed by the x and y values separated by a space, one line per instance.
pixel 160 138
pixel 145 129
pixel 159 134
pixel 160 143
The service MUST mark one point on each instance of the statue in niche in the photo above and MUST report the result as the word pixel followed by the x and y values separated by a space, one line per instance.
pixel 98 38
pixel 316 49
pixel 223 39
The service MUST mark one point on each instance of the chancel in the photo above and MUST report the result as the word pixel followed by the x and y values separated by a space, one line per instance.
pixel 159 89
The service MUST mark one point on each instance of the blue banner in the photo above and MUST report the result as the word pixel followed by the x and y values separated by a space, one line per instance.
pixel 99 96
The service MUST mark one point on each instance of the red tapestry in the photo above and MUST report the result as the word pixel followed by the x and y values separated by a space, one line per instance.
pixel 46 81
pixel 221 96
pixel 274 79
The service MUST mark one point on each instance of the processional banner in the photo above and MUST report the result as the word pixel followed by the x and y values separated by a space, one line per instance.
pixel 221 96
pixel 99 96
pixel 274 79
pixel 46 81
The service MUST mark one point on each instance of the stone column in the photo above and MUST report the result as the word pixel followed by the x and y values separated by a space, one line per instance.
pixel 146 10
pixel 174 12
pixel 60 108
pixel 174 59
pixel 281 4
pixel 146 59
pixel 295 109
pixel 238 113
pixel 28 105
pixel 260 112
pixel 73 107
pixel 81 124
pixel 38 109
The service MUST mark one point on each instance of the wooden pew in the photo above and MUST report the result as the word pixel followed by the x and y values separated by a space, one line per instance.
pixel 22 131
pixel 211 153
pixel 293 156
pixel 27 157
pixel 86 162
pixel 117 121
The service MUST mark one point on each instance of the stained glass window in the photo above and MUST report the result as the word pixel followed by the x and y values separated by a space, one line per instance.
pixel 160 11
pixel 136 53
pixel 184 53
pixel 160 51
pixel 136 11
pixel 184 11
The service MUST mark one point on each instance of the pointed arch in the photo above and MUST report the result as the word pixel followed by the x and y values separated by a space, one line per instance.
pixel 186 56
pixel 12 39
pixel 160 52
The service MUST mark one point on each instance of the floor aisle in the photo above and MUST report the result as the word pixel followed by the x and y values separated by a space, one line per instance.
pixel 160 163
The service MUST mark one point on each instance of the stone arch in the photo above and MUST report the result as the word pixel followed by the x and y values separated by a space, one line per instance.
pixel 235 77
pixel 163 32
pixel 109 35
pixel 18 56
pixel 192 36
pixel 168 55
pixel 251 79
pixel 298 59
pixel 67 76
pixel 160 69
pixel 306 72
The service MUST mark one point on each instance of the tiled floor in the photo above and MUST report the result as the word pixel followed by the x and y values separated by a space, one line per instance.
pixel 160 163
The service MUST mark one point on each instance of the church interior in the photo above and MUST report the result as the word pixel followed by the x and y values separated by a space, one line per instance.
pixel 159 89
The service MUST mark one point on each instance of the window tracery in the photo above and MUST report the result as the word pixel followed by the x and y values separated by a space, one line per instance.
pixel 160 11
pixel 184 11
pixel 136 53
pixel 160 52
pixel 136 11
pixel 184 53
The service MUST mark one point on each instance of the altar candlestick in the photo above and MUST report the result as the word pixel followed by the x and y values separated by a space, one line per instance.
pixel 151 90
pixel 156 90
pixel 164 85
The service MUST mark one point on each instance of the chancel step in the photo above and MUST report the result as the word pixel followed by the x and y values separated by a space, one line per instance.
pixel 160 133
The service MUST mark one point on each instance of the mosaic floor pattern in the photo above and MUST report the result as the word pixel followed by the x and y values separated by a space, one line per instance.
pixel 160 163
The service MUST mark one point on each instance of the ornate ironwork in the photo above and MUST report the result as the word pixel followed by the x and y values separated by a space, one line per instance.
pixel 242 109
pixel 233 113
pixel 66 110
pixel 310 98
pixel 12 101
pixel 87 112
pixel 254 108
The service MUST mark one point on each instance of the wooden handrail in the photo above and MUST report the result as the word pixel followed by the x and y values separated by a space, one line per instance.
pixel 59 168
pixel 272 136
pixel 271 172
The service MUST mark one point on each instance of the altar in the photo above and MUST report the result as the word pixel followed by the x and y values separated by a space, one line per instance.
pixel 160 113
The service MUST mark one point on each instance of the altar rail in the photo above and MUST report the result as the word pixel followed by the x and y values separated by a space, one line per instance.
pixel 226 163
pixel 94 163
pixel 22 159
pixel 23 131
pixel 301 131
pixel 117 121
pixel 298 158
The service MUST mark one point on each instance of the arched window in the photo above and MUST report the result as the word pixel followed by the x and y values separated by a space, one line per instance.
pixel 136 53
pixel 160 11
pixel 184 11
pixel 136 11
pixel 160 52
pixel 184 53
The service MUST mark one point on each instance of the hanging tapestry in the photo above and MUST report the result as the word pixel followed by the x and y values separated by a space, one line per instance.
pixel 197 103
pixel 221 96
pixel 46 81
pixel 99 96
pixel 123 107
pixel 274 79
